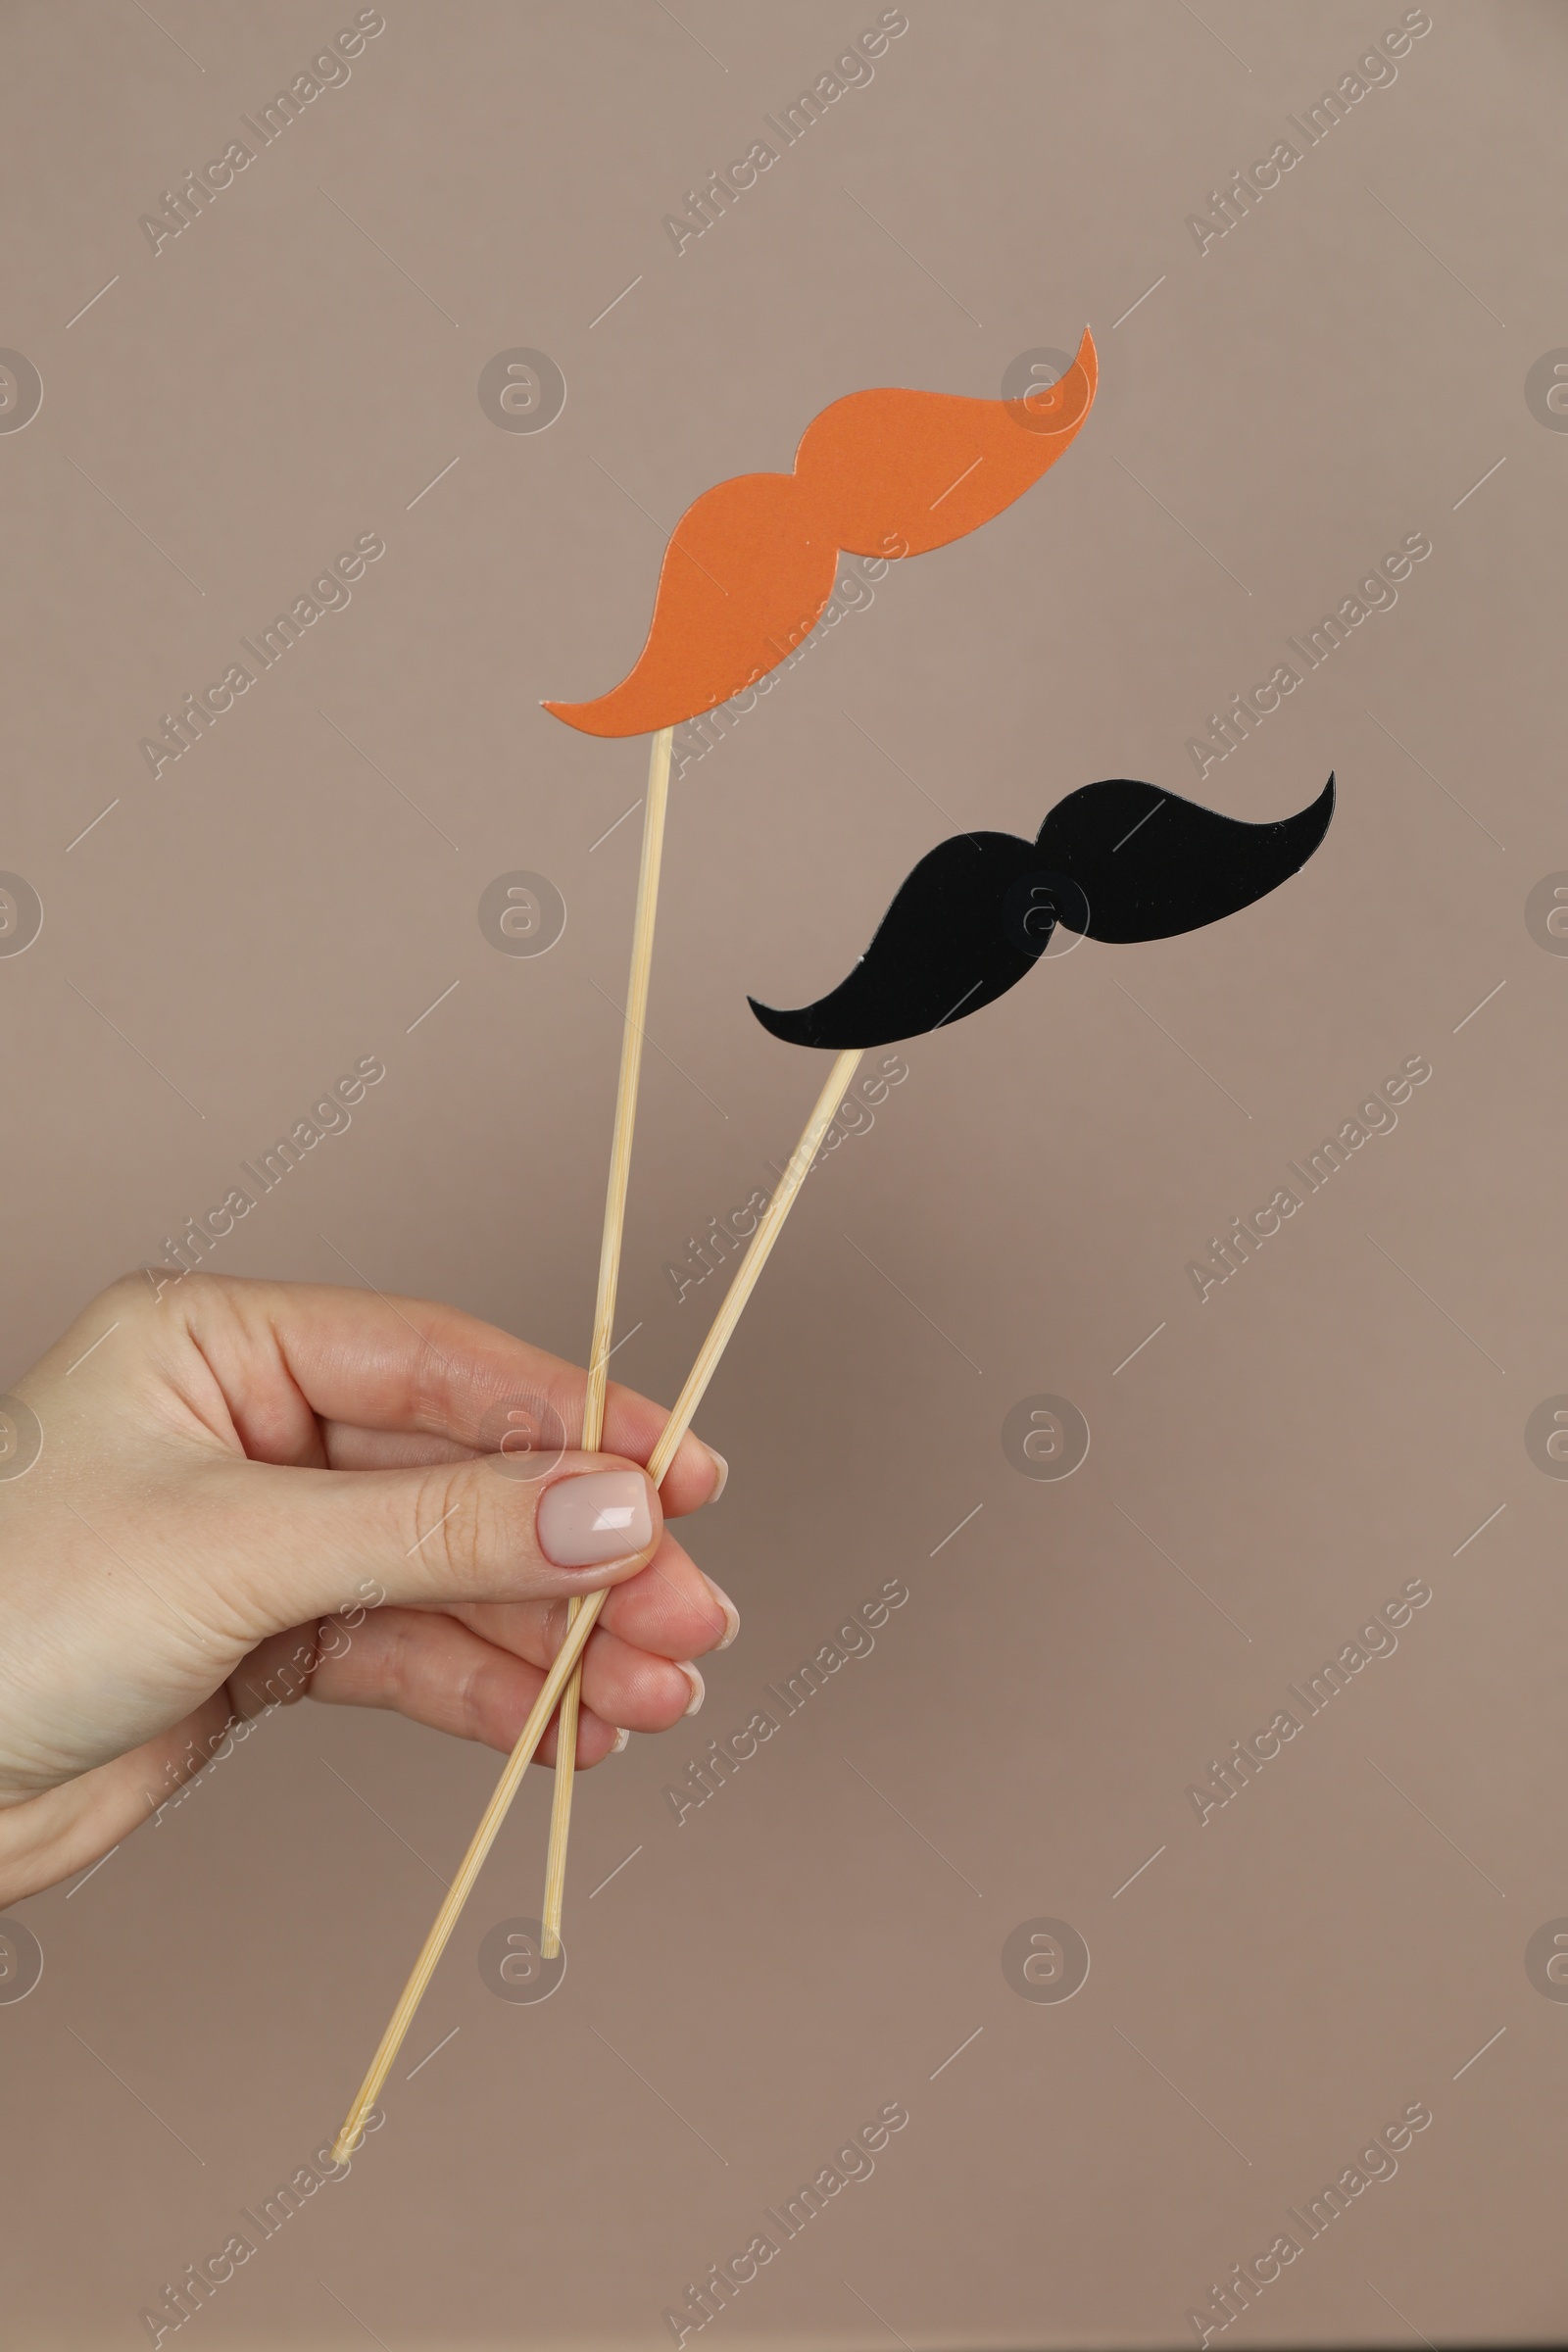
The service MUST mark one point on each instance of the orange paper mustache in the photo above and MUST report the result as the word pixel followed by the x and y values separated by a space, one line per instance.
pixel 751 565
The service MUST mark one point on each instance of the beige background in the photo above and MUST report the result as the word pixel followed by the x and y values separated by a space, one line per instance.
pixel 1335 373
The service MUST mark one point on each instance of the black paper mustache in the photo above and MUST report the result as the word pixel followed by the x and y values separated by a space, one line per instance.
pixel 1114 861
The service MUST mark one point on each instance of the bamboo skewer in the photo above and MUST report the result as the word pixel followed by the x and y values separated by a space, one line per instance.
pixel 577 1633
pixel 592 1411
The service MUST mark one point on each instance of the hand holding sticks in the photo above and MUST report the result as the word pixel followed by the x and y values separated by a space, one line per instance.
pixel 840 1078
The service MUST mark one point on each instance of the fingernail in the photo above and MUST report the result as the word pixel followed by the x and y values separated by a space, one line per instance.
pixel 622 1739
pixel 698 1686
pixel 589 1521
pixel 723 1474
pixel 732 1615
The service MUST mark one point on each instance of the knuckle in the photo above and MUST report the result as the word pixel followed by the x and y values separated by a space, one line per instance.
pixel 136 1291
pixel 400 1660
pixel 447 1531
pixel 473 1528
pixel 431 1383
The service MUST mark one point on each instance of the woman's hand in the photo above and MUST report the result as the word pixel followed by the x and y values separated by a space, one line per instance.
pixel 222 1496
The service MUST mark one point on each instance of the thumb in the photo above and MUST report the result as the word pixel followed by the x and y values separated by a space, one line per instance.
pixel 480 1529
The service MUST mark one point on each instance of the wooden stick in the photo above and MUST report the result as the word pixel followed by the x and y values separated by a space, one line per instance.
pixel 592 1411
pixel 533 1731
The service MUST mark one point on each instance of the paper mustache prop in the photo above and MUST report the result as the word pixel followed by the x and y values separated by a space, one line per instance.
pixel 748 573
pixel 750 564
pixel 1115 861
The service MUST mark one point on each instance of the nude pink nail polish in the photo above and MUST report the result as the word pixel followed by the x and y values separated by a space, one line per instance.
pixel 589 1521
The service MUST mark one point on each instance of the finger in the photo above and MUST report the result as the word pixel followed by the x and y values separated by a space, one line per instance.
pixel 437 1672
pixel 638 1667
pixel 346 1447
pixel 670 1609
pixel 290 1357
pixel 634 1425
pixel 308 1543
